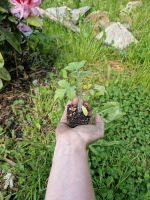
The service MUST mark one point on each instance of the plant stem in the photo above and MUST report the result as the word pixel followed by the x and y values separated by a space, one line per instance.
pixel 79 89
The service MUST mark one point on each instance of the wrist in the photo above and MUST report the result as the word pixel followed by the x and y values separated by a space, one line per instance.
pixel 72 142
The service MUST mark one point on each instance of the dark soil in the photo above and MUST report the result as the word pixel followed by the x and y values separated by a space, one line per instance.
pixel 75 118
pixel 17 89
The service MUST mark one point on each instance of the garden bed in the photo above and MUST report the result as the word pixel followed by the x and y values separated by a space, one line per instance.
pixel 114 82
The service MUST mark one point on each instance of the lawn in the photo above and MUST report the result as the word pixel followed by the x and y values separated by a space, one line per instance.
pixel 118 79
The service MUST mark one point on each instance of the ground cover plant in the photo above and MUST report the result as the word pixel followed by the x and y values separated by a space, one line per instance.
pixel 114 82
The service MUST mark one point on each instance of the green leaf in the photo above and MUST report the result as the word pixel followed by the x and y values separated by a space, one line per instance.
pixel 93 150
pixel 59 94
pixel 1 84
pixel 85 111
pixel 115 114
pixel 75 66
pixel 64 73
pixel 100 89
pixel 4 74
pixel 63 83
pixel 3 10
pixel 110 105
pixel 1 61
pixel 35 21
pixel 71 93
pixel 111 111
pixel 13 41
pixel 12 19
pixel 2 36
pixel 4 4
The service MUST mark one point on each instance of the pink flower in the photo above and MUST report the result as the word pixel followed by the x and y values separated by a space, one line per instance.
pixel 25 29
pixel 25 8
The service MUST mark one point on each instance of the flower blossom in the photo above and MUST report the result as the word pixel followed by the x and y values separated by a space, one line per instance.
pixel 25 29
pixel 25 8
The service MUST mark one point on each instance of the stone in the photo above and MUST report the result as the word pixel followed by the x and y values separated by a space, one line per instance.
pixel 132 5
pixel 99 19
pixel 61 13
pixel 65 13
pixel 117 35
pixel 59 16
pixel 76 13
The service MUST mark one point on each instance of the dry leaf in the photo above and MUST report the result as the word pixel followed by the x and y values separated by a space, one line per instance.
pixel 84 110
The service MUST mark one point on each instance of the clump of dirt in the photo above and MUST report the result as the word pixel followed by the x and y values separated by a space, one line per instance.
pixel 75 118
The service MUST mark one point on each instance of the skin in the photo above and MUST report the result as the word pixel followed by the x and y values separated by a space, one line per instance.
pixel 70 177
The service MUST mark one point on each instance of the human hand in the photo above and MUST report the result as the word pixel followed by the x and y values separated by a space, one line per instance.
pixel 80 135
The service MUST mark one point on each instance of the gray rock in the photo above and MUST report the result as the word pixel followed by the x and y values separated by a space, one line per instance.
pixel 117 35
pixel 61 13
pixel 132 5
pixel 76 13
pixel 67 14
pixel 64 15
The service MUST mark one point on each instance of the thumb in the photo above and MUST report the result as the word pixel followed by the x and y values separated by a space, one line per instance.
pixel 62 126
pixel 64 116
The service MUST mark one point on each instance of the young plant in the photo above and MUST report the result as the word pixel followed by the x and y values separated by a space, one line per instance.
pixel 76 114
pixel 71 86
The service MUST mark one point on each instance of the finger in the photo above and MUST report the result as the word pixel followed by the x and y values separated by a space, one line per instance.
pixel 89 108
pixel 64 116
pixel 99 124
pixel 91 120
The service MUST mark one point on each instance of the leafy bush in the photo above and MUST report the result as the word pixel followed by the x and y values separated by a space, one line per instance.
pixel 120 163
pixel 14 34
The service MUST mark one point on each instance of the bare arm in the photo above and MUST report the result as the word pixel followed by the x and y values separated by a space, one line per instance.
pixel 70 177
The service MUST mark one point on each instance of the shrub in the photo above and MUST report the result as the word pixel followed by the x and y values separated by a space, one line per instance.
pixel 14 36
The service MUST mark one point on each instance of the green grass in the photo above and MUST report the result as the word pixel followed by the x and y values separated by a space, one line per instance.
pixel 76 47
pixel 120 163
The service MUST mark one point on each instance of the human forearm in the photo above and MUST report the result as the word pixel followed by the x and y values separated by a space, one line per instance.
pixel 70 176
